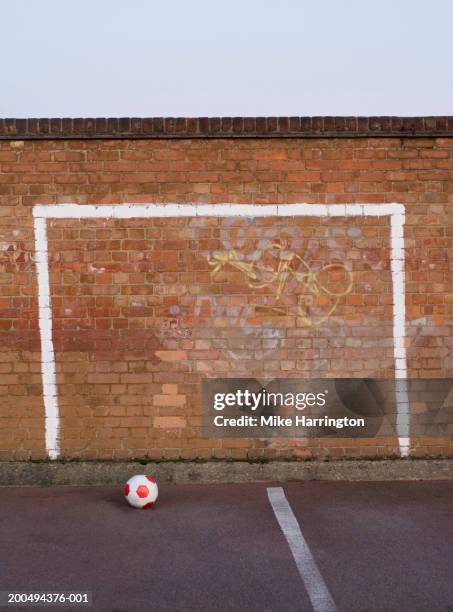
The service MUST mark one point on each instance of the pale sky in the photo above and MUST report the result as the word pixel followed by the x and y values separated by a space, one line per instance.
pixel 98 58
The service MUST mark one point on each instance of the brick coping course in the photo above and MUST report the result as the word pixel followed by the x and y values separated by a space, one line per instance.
pixel 225 127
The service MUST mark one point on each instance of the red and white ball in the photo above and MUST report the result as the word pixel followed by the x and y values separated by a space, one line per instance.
pixel 141 491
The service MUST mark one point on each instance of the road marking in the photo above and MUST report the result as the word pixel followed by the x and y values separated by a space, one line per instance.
pixel 319 595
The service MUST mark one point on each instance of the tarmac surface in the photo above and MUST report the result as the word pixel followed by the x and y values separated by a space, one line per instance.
pixel 374 547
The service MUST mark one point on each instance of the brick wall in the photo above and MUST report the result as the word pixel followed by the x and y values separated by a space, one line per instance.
pixel 143 309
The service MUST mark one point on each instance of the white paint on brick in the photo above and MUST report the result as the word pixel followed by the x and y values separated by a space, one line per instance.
pixel 399 329
pixel 129 211
pixel 95 269
pixel 236 210
pixel 52 420
pixel 395 211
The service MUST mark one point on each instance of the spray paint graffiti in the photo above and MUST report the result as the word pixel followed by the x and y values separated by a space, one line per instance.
pixel 276 262
pixel 172 328
pixel 310 281
pixel 14 256
pixel 275 258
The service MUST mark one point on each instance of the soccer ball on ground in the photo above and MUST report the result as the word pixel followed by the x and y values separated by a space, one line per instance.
pixel 141 491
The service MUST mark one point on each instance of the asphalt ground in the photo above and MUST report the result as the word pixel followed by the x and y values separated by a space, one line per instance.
pixel 323 546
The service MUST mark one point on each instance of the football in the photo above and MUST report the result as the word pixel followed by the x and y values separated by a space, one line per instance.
pixel 141 491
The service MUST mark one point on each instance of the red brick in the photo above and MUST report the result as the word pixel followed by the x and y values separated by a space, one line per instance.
pixel 123 355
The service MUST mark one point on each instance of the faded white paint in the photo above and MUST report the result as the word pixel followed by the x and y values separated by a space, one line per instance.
pixel 318 593
pixel 128 211
pixel 95 269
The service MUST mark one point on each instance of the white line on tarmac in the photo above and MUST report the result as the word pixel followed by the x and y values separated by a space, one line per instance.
pixel 319 595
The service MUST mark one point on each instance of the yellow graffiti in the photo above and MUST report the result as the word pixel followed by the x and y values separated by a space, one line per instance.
pixel 308 279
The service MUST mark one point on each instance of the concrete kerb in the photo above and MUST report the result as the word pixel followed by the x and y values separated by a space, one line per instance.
pixel 82 473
